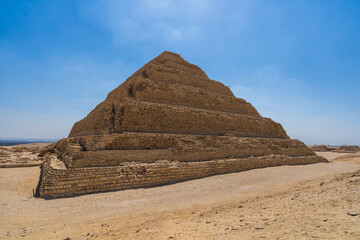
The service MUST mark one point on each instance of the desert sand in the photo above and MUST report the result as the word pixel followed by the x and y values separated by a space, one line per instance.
pixel 316 201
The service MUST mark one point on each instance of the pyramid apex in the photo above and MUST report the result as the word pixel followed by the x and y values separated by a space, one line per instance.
pixel 170 53
pixel 167 55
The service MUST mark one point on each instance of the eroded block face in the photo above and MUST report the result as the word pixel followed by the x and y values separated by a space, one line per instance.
pixel 170 95
pixel 168 122
pixel 119 148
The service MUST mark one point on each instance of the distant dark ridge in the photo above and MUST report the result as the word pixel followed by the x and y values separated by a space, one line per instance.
pixel 9 142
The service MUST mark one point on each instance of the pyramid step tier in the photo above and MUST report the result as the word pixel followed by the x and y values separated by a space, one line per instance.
pixel 177 94
pixel 173 76
pixel 115 149
pixel 139 116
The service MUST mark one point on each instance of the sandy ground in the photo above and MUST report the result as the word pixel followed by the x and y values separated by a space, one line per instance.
pixel 289 202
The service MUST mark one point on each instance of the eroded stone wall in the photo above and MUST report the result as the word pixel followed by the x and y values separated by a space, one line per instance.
pixel 71 182
pixel 146 90
pixel 140 116
pixel 115 149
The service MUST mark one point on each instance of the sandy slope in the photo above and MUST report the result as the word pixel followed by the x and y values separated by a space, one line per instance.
pixel 287 202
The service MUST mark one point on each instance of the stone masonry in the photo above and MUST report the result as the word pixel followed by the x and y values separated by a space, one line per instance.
pixel 166 123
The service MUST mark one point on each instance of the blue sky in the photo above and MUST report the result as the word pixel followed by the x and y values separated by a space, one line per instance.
pixel 297 62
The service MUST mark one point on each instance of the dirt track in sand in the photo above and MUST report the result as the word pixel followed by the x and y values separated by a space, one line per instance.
pixel 287 202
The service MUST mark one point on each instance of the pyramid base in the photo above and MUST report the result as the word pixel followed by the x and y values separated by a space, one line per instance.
pixel 58 182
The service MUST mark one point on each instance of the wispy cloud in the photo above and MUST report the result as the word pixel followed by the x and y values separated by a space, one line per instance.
pixel 286 100
pixel 265 81
pixel 241 90
pixel 48 95
pixel 160 20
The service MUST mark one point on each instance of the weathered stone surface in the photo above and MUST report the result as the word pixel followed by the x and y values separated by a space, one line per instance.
pixel 170 95
pixel 76 181
pixel 114 149
pixel 349 148
pixel 166 123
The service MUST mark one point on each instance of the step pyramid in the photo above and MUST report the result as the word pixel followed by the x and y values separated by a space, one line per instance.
pixel 166 123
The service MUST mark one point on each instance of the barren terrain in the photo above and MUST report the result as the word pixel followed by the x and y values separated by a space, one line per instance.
pixel 320 201
pixel 21 155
